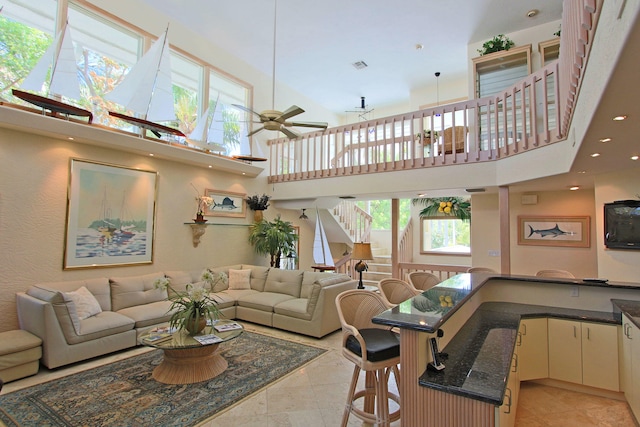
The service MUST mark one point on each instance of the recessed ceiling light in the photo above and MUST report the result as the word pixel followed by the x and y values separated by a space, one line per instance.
pixel 151 154
pixel 605 140
pixel 421 195
pixel 634 157
pixel 532 13
pixel 595 154
pixel 618 118
pixel 574 188
pixel 582 171
pixel 419 46
pixel 70 138
pixel 210 166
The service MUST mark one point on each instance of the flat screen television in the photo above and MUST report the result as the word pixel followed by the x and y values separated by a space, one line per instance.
pixel 622 224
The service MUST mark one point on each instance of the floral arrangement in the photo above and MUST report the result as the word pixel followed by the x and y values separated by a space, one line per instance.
pixel 496 44
pixel 258 203
pixel 203 203
pixel 211 279
pixel 192 308
pixel 448 206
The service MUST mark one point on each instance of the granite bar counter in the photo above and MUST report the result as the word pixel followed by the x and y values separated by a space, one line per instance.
pixel 480 316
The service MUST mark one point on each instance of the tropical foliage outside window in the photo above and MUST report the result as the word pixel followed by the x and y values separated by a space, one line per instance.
pixel 445 235
pixel 105 51
pixel 380 211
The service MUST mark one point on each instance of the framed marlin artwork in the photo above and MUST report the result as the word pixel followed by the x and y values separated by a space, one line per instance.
pixel 570 231
pixel 225 203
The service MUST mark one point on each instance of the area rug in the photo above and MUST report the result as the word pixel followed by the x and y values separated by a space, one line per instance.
pixel 124 393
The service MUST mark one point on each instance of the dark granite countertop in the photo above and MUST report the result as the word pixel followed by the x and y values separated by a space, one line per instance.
pixel 630 308
pixel 480 353
pixel 429 310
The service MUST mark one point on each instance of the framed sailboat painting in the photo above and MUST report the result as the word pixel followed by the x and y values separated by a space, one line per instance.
pixel 110 215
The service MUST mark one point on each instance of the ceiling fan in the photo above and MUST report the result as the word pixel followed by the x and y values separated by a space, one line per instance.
pixel 277 120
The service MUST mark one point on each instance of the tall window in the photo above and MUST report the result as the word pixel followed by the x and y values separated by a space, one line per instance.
pixel 445 236
pixel 26 31
pixel 105 52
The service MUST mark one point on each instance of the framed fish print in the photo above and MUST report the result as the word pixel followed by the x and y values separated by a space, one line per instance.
pixel 225 203
pixel 571 231
pixel 110 215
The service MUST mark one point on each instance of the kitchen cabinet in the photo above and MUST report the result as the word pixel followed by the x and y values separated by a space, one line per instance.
pixel 507 411
pixel 584 353
pixel 630 360
pixel 533 352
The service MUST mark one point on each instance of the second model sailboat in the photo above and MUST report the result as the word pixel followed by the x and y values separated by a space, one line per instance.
pixel 321 251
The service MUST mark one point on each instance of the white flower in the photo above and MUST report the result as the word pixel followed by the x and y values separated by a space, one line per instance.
pixel 161 283
pixel 211 279
pixel 196 292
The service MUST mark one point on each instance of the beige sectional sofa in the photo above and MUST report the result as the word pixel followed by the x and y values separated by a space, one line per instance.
pixel 73 329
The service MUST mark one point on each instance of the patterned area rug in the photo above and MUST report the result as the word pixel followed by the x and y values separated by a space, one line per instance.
pixel 123 393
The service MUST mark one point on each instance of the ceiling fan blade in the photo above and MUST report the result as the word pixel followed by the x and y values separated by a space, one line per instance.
pixel 248 110
pixel 291 134
pixel 319 125
pixel 255 131
pixel 294 110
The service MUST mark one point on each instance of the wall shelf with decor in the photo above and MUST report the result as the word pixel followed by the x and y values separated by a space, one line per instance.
pixel 199 228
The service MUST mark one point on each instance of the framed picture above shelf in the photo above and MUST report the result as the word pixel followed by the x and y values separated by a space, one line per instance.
pixel 569 231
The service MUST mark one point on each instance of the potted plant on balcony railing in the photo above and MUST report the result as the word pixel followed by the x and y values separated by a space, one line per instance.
pixel 496 44
pixel 425 136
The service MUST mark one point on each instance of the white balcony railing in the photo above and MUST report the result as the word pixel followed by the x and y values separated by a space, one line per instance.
pixel 533 113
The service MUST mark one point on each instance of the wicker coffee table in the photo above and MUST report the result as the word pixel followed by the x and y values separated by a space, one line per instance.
pixel 187 360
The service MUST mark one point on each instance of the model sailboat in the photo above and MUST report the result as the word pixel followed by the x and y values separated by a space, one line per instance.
pixel 147 90
pixel 209 131
pixel 63 82
pixel 321 252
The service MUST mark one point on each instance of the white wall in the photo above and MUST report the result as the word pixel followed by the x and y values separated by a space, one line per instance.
pixel 616 264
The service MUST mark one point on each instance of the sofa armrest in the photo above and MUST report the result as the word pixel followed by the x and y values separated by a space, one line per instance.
pixel 323 307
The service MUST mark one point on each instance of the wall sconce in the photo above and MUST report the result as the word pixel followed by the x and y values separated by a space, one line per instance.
pixel 198 230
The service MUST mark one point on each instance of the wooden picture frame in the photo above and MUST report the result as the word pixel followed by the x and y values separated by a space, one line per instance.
pixel 567 231
pixel 226 203
pixel 110 215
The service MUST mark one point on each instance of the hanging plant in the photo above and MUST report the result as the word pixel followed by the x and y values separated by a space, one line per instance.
pixel 496 44
pixel 458 207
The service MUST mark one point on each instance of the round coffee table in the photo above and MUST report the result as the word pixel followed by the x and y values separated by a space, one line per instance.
pixel 187 360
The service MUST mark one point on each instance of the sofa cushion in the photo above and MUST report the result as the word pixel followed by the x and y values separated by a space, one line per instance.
pixel 98 287
pixel 239 279
pixel 295 307
pixel 286 282
pixel 135 290
pixel 325 278
pixel 264 301
pixel 221 286
pixel 148 314
pixel 92 328
pixel 85 303
pixel 224 299
pixel 258 276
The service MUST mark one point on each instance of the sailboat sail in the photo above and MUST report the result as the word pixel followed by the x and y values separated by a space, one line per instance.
pixel 147 88
pixel 64 75
pixel 321 251
pixel 209 133
pixel 63 81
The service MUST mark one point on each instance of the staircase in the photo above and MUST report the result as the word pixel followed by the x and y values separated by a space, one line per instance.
pixel 379 267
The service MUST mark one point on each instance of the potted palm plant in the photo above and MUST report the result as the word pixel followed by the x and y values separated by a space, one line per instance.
pixel 273 238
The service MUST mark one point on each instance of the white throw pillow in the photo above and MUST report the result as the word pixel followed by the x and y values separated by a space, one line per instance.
pixel 86 304
pixel 240 279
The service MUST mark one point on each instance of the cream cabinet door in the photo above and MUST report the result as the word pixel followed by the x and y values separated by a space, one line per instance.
pixel 533 353
pixel 626 385
pixel 634 402
pixel 600 356
pixel 565 350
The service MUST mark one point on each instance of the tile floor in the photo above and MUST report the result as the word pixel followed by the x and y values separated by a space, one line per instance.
pixel 314 396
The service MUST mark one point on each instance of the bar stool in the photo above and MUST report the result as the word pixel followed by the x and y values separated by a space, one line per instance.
pixel 555 273
pixel 373 349
pixel 395 291
pixel 423 280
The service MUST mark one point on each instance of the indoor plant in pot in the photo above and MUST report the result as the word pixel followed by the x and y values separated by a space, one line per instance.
pixel 273 238
pixel 193 307
pixel 258 204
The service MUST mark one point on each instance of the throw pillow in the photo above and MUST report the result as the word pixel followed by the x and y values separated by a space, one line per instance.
pixel 86 304
pixel 239 279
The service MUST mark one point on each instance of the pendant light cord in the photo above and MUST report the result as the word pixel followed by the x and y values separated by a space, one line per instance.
pixel 273 70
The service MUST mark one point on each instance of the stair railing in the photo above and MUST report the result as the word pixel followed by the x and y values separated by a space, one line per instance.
pixel 405 243
pixel 354 220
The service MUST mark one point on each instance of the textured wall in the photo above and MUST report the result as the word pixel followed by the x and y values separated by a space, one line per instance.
pixel 34 173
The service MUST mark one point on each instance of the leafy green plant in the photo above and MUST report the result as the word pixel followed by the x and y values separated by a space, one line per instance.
pixel 445 206
pixel 190 306
pixel 496 44
pixel 273 238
